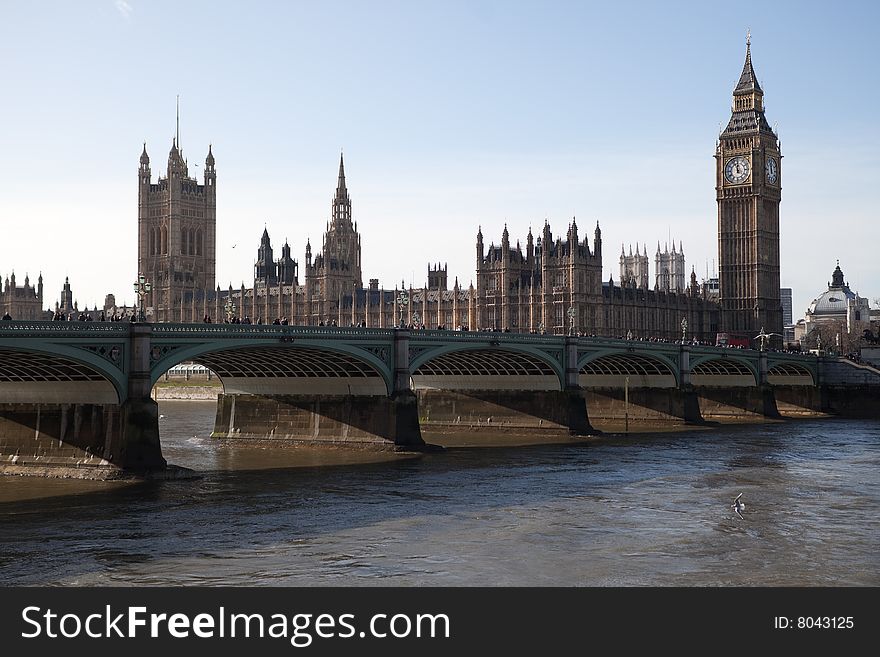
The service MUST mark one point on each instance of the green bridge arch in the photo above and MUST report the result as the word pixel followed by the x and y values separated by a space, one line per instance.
pixel 114 373
pixel 180 353
pixel 434 351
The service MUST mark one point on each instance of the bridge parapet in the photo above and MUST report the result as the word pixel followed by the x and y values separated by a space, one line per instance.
pixel 213 331
pixel 35 329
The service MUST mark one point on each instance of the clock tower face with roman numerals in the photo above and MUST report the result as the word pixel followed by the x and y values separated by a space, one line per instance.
pixel 748 191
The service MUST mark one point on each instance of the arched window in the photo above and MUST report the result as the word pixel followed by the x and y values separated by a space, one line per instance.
pixel 164 240
pixel 191 247
pixel 199 242
pixel 152 241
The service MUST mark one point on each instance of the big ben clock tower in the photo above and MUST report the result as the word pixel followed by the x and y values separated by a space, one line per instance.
pixel 748 190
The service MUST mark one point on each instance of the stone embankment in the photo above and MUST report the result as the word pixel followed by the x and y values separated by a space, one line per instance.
pixel 186 392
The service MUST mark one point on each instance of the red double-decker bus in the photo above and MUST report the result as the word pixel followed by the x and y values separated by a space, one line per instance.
pixel 733 340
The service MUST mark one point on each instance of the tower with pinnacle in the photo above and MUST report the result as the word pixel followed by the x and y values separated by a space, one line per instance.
pixel 336 269
pixel 177 218
pixel 748 190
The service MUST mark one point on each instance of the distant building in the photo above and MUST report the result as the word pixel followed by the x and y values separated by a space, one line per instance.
pixel 634 268
pixel 785 299
pixel 788 330
pixel 669 269
pixel 836 313
pixel 25 302
pixel 712 288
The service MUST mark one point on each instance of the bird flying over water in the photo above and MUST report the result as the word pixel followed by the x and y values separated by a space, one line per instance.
pixel 738 506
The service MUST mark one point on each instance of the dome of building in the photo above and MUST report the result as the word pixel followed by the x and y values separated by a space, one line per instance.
pixel 832 302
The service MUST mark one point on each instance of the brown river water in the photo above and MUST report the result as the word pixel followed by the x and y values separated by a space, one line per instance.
pixel 649 509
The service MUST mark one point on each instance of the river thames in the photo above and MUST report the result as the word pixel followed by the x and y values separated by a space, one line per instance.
pixel 650 509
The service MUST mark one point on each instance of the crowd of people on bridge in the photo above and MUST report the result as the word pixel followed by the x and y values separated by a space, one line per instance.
pixel 88 317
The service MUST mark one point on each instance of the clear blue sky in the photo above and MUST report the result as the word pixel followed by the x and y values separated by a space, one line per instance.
pixel 451 115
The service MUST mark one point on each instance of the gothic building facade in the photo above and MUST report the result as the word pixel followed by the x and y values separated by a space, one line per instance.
pixel 634 268
pixel 669 268
pixel 177 220
pixel 332 290
pixel 552 284
pixel 21 302
pixel 555 286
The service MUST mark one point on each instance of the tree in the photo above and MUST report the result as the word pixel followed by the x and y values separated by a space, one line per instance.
pixel 834 337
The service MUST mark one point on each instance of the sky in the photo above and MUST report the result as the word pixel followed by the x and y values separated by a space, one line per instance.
pixel 451 115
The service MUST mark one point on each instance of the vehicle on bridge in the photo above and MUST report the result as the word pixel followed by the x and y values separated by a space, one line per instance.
pixel 733 340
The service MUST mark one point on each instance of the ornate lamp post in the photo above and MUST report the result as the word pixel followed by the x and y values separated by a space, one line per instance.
pixel 230 310
pixel 541 328
pixel 417 320
pixel 572 313
pixel 684 330
pixel 402 300
pixel 142 287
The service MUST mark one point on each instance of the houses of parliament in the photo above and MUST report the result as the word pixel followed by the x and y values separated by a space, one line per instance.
pixel 551 284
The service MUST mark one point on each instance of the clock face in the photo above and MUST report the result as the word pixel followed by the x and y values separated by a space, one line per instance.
pixel 737 170
pixel 772 170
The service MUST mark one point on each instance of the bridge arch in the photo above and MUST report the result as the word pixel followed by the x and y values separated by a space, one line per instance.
pixel 789 374
pixel 611 369
pixel 481 366
pixel 59 373
pixel 301 367
pixel 723 371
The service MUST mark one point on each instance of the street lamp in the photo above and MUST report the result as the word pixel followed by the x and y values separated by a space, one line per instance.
pixel 684 330
pixel 572 313
pixel 402 300
pixel 142 287
pixel 416 320
pixel 230 310
pixel 541 328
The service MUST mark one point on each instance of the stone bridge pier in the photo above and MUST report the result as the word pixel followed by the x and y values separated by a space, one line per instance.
pixel 137 447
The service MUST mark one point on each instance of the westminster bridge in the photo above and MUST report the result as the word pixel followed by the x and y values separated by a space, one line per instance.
pixel 80 393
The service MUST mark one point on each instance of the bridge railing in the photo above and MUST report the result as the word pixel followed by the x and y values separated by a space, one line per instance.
pixel 484 336
pixel 24 328
pixel 264 330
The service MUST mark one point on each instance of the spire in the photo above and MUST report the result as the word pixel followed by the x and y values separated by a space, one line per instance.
pixel 748 81
pixel 340 185
pixel 145 159
pixel 210 159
